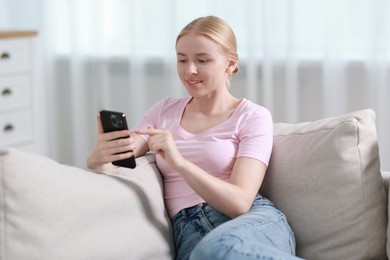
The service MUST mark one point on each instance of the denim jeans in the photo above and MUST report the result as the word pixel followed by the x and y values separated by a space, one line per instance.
pixel 201 232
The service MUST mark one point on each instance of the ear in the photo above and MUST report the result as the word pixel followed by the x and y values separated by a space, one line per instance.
pixel 231 67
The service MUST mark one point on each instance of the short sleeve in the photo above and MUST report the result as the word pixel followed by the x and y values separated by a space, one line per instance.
pixel 256 135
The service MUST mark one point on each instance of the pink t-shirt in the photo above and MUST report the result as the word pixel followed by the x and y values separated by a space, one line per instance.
pixel 247 132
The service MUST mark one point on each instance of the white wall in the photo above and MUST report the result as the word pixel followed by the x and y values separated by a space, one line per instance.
pixel 14 9
pixel 4 24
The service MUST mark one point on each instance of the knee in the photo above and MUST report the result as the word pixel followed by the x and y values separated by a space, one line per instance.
pixel 231 247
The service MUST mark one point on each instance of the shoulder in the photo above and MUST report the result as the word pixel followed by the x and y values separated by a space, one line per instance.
pixel 168 103
pixel 162 112
pixel 255 132
pixel 253 111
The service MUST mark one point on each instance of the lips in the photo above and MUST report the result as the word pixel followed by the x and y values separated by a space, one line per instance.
pixel 194 82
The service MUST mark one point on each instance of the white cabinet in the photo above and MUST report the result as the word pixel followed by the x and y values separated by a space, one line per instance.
pixel 20 112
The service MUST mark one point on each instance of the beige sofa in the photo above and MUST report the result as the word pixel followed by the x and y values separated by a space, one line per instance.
pixel 325 175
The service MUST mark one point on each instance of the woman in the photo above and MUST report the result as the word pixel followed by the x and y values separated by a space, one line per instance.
pixel 213 150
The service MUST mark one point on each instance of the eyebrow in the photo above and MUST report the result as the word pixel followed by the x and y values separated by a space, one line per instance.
pixel 199 54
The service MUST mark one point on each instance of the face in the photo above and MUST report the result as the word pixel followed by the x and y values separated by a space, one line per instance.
pixel 201 65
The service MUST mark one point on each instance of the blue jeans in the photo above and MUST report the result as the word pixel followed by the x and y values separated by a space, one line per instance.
pixel 261 233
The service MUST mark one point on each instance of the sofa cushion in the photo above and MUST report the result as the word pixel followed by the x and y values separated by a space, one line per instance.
pixel 325 176
pixel 54 211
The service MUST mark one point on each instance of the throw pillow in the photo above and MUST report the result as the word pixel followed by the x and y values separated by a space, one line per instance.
pixel 325 176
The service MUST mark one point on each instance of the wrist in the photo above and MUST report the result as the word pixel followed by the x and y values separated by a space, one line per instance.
pixel 182 164
pixel 101 167
pixel 95 165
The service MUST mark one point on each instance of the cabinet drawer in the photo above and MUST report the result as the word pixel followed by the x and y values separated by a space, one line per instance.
pixel 15 92
pixel 14 55
pixel 16 128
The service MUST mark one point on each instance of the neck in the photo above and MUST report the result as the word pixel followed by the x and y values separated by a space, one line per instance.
pixel 213 104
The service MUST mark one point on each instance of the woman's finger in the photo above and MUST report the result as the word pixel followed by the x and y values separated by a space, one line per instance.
pixel 149 131
pixel 99 123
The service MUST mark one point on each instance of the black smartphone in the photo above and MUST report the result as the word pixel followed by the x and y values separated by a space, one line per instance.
pixel 116 121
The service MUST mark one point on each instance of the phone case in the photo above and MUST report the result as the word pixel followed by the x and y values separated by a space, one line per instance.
pixel 116 121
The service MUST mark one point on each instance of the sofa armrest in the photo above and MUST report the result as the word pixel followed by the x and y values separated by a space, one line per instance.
pixel 386 180
pixel 54 211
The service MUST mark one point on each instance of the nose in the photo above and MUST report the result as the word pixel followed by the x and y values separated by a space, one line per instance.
pixel 191 68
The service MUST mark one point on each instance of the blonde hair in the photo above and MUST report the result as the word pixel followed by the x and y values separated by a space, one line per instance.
pixel 217 30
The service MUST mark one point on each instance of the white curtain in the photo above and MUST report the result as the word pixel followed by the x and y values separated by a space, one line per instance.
pixel 303 59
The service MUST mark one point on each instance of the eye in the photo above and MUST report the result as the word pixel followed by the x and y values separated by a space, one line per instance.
pixel 181 60
pixel 203 61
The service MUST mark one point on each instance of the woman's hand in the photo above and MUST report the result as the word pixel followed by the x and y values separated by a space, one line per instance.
pixel 109 147
pixel 162 143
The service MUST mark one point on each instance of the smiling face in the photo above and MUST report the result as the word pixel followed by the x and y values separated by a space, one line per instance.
pixel 202 66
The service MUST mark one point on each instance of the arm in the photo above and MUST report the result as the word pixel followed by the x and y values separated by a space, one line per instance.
pixel 108 148
pixel 233 198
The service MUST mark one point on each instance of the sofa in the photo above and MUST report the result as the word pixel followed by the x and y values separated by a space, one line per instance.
pixel 324 175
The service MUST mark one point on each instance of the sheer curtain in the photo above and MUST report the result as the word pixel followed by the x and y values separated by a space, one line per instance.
pixel 302 59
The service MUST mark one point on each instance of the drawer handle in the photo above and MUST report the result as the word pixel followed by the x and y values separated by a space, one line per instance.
pixel 5 56
pixel 8 128
pixel 6 92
